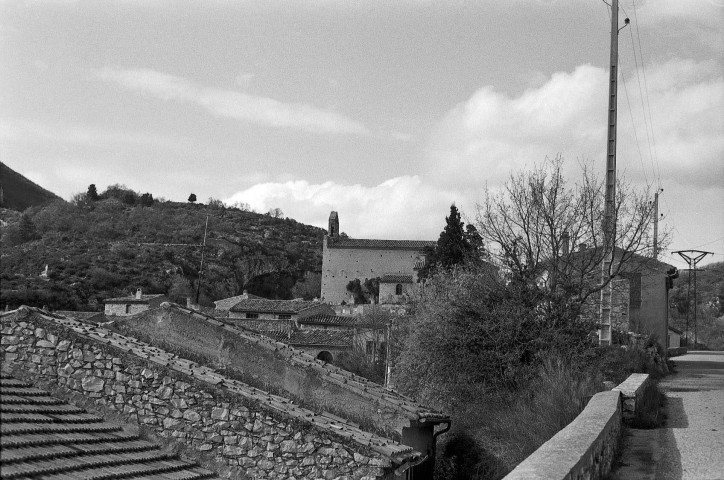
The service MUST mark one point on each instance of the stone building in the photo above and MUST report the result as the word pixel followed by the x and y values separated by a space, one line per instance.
pixel 133 304
pixel 261 314
pixel 346 259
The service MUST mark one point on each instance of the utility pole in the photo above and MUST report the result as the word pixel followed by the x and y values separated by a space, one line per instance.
pixel 609 221
pixel 656 223
pixel 201 266
pixel 692 257
pixel 203 249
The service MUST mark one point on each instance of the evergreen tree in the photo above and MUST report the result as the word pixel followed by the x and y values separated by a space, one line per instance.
pixel 455 246
pixel 146 200
pixel 27 229
pixel 92 194
pixel 192 198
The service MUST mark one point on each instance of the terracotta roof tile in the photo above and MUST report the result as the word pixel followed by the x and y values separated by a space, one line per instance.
pixel 61 441
pixel 306 338
pixel 396 278
pixel 263 305
pixel 334 320
pixel 132 299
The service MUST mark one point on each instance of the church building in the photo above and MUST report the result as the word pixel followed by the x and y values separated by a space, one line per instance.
pixel 395 262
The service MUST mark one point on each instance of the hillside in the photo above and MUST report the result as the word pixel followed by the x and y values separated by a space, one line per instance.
pixel 19 193
pixel 710 304
pixel 107 248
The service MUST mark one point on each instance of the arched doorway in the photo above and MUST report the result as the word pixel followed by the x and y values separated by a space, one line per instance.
pixel 325 356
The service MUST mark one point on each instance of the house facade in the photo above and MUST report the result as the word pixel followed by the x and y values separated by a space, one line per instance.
pixel 131 305
pixel 347 259
pixel 261 314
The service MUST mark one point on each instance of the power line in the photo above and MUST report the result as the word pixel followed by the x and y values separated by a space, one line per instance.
pixel 633 124
pixel 646 89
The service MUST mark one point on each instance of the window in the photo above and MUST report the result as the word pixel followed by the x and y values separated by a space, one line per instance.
pixel 128 309
pixel 252 315
pixel 398 289
pixel 284 317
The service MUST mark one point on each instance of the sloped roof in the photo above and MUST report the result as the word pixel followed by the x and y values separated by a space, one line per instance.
pixel 82 316
pixel 396 278
pixel 132 298
pixel 398 453
pixel 263 305
pixel 43 435
pixel 227 303
pixel 308 338
pixel 337 320
pixel 417 245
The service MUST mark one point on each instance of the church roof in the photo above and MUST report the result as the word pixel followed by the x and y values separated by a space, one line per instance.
pixel 417 245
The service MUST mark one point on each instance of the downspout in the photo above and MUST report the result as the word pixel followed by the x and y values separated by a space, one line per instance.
pixel 434 439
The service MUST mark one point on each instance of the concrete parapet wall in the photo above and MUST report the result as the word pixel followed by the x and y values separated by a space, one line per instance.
pixel 631 391
pixel 583 450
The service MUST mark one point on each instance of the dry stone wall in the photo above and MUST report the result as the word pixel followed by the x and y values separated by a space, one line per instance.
pixel 236 437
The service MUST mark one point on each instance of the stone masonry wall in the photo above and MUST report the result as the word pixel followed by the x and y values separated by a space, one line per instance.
pixel 236 437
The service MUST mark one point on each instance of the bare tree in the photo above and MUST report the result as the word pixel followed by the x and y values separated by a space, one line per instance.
pixel 545 229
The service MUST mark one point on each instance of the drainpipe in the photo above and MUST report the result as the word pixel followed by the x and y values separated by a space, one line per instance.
pixel 434 439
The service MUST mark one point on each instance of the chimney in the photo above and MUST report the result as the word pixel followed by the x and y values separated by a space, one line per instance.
pixel 566 243
pixel 138 294
pixel 245 295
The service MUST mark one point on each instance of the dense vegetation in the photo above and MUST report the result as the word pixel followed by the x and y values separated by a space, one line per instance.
pixel 709 305
pixel 107 247
pixel 20 193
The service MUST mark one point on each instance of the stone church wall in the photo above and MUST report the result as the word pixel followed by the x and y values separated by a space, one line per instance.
pixel 342 265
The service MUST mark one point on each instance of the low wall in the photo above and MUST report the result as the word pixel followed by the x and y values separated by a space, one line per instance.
pixel 585 449
pixel 225 431
pixel 675 352
pixel 631 390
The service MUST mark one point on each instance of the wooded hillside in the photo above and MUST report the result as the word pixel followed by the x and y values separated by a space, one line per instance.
pixel 20 193
pixel 109 247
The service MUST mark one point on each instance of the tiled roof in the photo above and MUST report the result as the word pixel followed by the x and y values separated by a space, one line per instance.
pixel 133 299
pixel 227 303
pixel 308 338
pixel 397 452
pixel 396 278
pixel 338 320
pixel 263 305
pixel 417 245
pixel 82 316
pixel 45 437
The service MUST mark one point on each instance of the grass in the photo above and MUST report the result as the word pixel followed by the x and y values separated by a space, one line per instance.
pixel 492 436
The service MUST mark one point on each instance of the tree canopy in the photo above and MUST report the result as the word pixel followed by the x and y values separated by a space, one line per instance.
pixel 457 244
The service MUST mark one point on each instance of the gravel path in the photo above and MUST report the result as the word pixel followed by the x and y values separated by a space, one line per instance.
pixel 691 445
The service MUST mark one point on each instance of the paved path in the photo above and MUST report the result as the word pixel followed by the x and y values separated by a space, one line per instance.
pixel 691 445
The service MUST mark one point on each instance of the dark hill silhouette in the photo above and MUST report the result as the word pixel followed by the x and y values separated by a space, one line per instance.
pixel 19 193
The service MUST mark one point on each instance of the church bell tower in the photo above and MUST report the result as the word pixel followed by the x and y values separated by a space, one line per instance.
pixel 333 230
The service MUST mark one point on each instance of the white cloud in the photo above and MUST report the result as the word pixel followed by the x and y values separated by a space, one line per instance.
pixel 233 104
pixel 399 208
pixel 484 138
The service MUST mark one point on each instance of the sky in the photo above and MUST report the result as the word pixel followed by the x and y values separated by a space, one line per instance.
pixel 384 111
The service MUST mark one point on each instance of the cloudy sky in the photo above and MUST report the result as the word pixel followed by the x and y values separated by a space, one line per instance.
pixel 386 111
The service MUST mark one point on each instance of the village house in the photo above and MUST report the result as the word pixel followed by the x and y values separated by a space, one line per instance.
pixel 222 307
pixel 346 259
pixel 261 314
pixel 133 304
pixel 640 290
